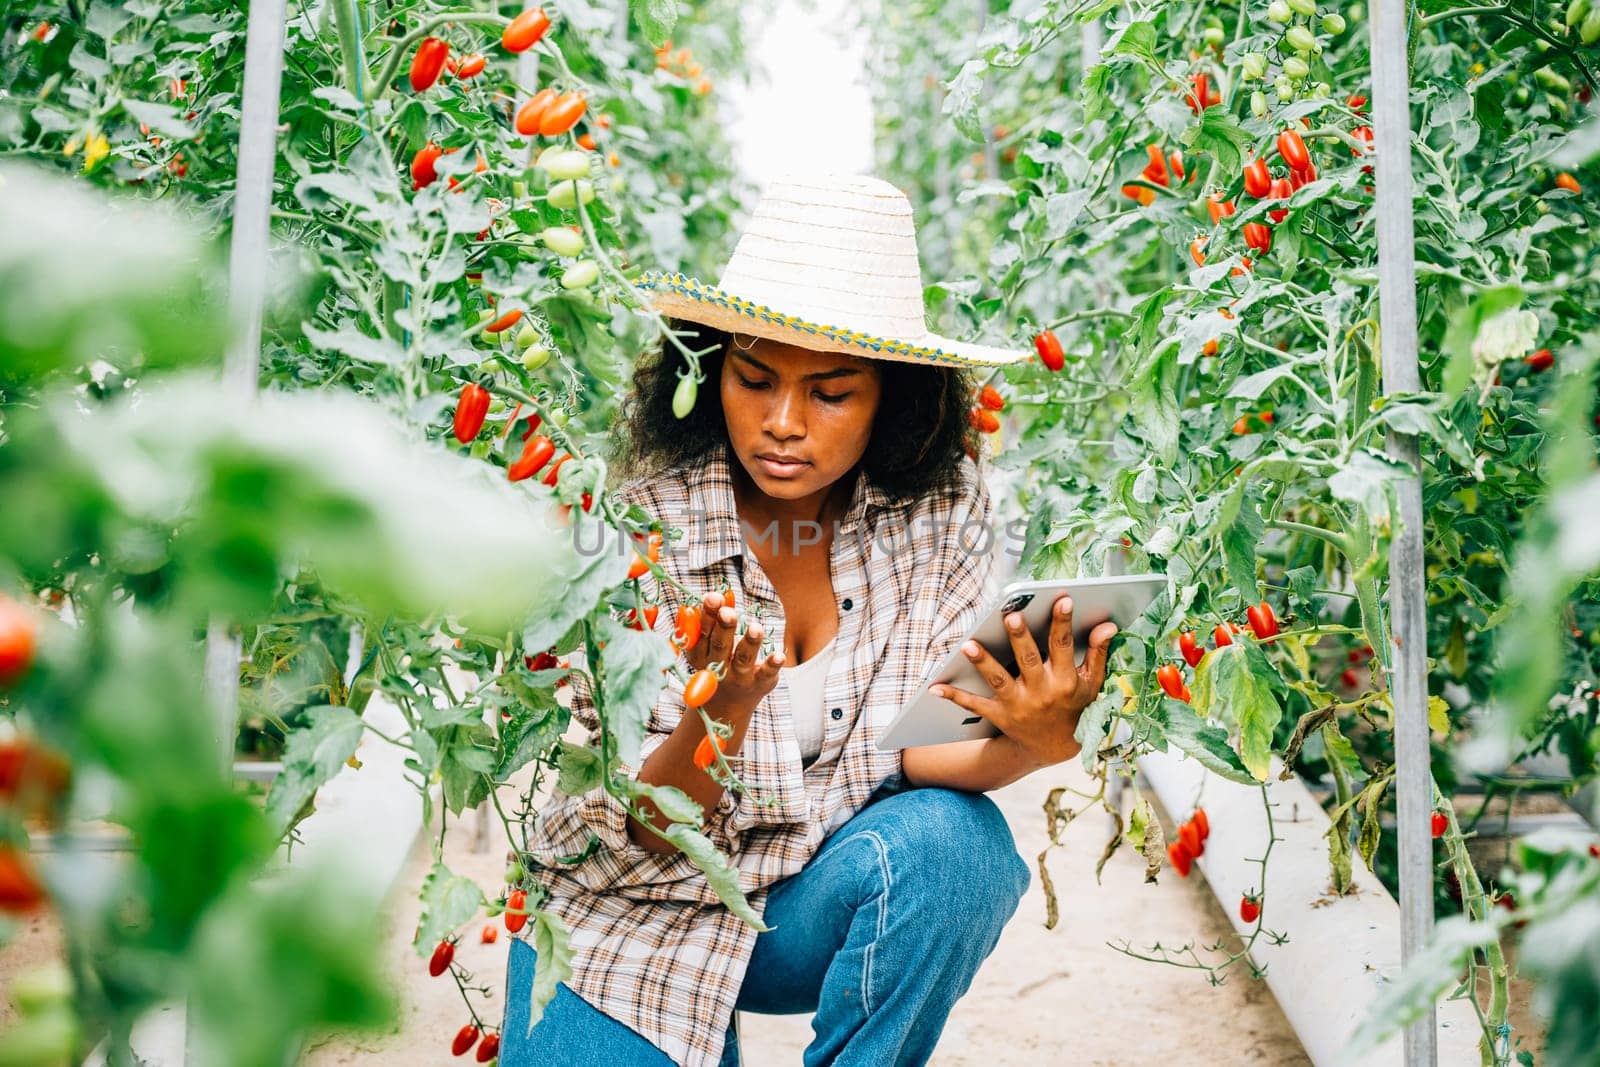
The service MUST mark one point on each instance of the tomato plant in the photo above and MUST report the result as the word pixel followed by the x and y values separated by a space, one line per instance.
pixel 1083 227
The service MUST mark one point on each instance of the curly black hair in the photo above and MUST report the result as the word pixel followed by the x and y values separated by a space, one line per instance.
pixel 919 434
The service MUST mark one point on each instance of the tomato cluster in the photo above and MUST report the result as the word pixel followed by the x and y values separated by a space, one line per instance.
pixel 1191 842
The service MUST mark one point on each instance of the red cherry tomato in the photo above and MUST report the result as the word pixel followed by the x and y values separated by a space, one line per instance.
pixel 441 958
pixel 1258 236
pixel 1171 680
pixel 515 913
pixel 1192 653
pixel 1221 637
pixel 466 1037
pixel 686 627
pixel 1049 349
pixel 704 755
pixel 1257 178
pixel 525 30
pixel 422 171
pixel 1292 147
pixel 1201 822
pixel 18 632
pixel 1282 189
pixel 530 114
pixel 562 114
pixel 1263 623
pixel 535 454
pixel 488 1048
pixel 1179 858
pixel 701 688
pixel 428 62
pixel 1189 837
pixel 1438 824
pixel 1249 908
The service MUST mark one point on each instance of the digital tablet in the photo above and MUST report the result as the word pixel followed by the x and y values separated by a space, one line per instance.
pixel 929 720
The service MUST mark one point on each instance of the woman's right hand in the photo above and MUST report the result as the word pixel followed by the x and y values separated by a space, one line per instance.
pixel 749 675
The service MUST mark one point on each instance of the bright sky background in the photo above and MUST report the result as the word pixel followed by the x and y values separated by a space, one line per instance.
pixel 807 107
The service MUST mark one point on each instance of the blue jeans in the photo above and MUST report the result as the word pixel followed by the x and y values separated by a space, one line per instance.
pixel 878 937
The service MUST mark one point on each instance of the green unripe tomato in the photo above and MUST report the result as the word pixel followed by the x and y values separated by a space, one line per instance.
pixel 496 405
pixel 684 396
pixel 1296 68
pixel 581 275
pixel 1590 33
pixel 535 357
pixel 1214 36
pixel 1278 11
pixel 1308 8
pixel 1300 39
pixel 1258 104
pixel 564 164
pixel 485 315
pixel 1576 11
pixel 519 189
pixel 1283 86
pixel 1321 91
pixel 515 874
pixel 1552 79
pixel 1356 12
pixel 561 241
pixel 567 194
pixel 527 337
pixel 1254 65
pixel 1333 23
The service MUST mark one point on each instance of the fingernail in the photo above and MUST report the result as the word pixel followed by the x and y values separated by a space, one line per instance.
pixel 1014 621
pixel 1066 606
pixel 937 691
pixel 970 649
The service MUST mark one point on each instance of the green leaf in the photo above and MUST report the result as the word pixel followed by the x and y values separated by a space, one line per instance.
pixel 633 682
pixel 720 874
pixel 1206 742
pixel 1463 330
pixel 1236 682
pixel 312 756
pixel 674 803
pixel 358 346
pixel 1218 134
pixel 1136 40
pixel 528 734
pixel 1239 543
pixel 1093 725
pixel 579 769
pixel 448 900
pixel 1364 480
pixel 961 103
pixel 552 946
pixel 466 760
pixel 656 18
pixel 88 277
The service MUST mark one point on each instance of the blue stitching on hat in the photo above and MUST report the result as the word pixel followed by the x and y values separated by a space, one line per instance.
pixel 681 283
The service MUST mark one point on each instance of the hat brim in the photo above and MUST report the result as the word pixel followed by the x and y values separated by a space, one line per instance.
pixel 683 297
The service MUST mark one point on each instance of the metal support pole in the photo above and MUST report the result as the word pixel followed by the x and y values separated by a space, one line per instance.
pixel 1397 306
pixel 247 283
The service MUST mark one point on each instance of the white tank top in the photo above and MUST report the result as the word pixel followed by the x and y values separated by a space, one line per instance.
pixel 805 700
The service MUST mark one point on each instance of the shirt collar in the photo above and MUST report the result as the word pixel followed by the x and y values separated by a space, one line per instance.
pixel 713 532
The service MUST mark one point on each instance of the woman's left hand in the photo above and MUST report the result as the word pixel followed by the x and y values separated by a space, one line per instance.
pixel 1037 709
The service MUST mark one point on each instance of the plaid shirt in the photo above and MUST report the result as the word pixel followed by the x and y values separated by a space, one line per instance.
pixel 653 946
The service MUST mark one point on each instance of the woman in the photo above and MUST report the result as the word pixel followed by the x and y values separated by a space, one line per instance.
pixel 820 478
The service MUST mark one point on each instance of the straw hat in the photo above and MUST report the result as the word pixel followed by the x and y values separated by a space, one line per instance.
pixel 827 262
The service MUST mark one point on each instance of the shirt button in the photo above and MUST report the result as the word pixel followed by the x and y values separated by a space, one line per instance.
pixel 838 713
pixel 848 603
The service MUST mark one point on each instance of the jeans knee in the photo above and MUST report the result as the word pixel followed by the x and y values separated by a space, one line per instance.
pixel 963 841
